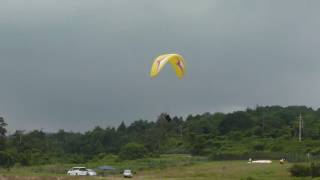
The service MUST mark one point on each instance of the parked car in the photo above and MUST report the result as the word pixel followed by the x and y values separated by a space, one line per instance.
pixel 127 173
pixel 91 172
pixel 81 171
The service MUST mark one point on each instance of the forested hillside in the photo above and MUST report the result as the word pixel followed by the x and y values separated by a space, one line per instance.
pixel 264 130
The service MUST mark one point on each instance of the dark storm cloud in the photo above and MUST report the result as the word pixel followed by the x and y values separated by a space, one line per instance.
pixel 78 64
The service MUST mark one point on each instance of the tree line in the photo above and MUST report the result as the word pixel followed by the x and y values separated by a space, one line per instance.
pixel 259 129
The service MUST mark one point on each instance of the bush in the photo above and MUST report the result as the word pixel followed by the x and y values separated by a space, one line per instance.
pixel 315 169
pixel 276 148
pixel 6 160
pixel 259 147
pixel 300 170
pixel 315 151
pixel 24 160
pixel 132 151
pixel 76 158
pixel 305 170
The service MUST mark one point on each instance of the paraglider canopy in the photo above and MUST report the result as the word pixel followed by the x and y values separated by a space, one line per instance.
pixel 177 62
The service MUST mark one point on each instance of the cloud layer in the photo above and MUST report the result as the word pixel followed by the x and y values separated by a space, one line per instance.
pixel 77 64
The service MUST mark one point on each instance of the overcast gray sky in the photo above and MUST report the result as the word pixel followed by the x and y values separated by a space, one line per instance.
pixel 76 64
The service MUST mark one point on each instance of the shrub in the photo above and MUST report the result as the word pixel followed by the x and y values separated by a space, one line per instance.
pixel 315 151
pixel 76 158
pixel 6 160
pixel 24 160
pixel 300 170
pixel 132 151
pixel 258 147
pixel 315 169
pixel 276 148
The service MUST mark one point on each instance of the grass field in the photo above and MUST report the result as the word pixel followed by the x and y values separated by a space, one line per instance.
pixel 172 167
pixel 222 170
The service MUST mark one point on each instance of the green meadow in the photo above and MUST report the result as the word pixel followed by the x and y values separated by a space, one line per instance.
pixel 164 167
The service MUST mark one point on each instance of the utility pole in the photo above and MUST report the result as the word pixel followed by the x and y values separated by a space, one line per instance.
pixel 20 134
pixel 300 127
pixel 263 121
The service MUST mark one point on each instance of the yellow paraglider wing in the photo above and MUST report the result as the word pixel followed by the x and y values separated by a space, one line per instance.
pixel 175 60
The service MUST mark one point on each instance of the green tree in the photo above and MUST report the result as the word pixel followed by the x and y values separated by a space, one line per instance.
pixel 236 121
pixel 3 132
pixel 122 127
pixel 6 160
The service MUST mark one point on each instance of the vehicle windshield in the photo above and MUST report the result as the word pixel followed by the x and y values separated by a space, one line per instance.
pixel 127 171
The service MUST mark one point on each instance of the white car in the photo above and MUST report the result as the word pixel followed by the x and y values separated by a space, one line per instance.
pixel 81 171
pixel 127 173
